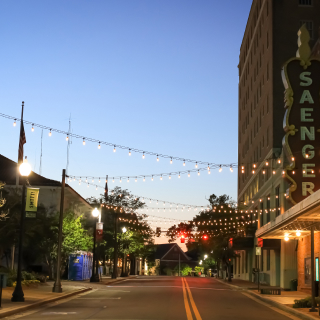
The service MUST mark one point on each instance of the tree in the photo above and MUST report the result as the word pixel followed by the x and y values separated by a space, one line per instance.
pixel 181 229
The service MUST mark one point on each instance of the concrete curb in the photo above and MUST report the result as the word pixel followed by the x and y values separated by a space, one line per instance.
pixel 118 280
pixel 273 303
pixel 40 303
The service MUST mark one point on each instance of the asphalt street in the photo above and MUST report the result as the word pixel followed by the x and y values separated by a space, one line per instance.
pixel 159 298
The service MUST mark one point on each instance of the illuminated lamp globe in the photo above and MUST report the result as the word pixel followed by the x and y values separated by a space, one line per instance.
pixel 205 256
pixel 95 212
pixel 124 229
pixel 25 168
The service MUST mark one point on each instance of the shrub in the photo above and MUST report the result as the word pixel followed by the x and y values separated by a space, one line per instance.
pixel 305 303
pixel 168 271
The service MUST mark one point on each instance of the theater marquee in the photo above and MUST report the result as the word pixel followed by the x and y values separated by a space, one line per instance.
pixel 301 78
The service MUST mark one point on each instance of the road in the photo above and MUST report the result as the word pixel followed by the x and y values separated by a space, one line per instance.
pixel 159 298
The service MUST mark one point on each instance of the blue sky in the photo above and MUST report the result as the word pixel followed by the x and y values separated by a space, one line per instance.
pixel 156 75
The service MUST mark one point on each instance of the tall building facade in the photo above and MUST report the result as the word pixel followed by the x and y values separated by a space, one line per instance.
pixel 270 39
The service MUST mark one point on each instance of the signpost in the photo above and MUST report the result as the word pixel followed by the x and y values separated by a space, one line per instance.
pixel 258 254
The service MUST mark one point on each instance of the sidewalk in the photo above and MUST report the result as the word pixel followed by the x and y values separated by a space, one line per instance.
pixel 36 296
pixel 284 302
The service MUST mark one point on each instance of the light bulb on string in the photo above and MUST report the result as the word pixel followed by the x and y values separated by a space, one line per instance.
pixel 161 177
pixel 184 163
pixel 136 179
pixel 220 168
pixel 179 175
pixel 114 149
pixel 15 122
pixel 189 174
pixel 171 161
pixel 99 146
pixel 196 165
pixel 231 169
pixel 120 180
pixel 144 179
pixel 208 167
pixel 50 133
pixel 67 138
pixel 170 176
pixel 32 128
pixel 112 179
pixel 129 152
pixel 157 158
pixel 151 180
pixel 86 180
pixel 84 142
pixel 143 156
pixel 198 173
pixel 128 179
pixel 99 180
pixel 209 172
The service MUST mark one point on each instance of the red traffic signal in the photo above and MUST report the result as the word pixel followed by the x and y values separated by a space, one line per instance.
pixel 182 238
pixel 205 237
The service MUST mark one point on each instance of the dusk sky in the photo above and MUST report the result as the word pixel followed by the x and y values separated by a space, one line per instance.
pixel 159 76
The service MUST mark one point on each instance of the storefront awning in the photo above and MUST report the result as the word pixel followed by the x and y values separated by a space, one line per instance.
pixel 300 217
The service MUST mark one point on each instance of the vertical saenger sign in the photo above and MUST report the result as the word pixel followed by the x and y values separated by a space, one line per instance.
pixel 32 202
pixel 301 78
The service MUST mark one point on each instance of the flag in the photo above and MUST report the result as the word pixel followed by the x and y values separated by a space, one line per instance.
pixel 22 138
pixel 106 189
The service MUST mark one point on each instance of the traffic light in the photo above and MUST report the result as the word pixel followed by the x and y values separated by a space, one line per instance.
pixel 182 238
pixel 158 232
pixel 205 237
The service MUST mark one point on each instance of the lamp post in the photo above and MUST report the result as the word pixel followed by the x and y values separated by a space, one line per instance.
pixel 95 275
pixel 123 273
pixel 25 169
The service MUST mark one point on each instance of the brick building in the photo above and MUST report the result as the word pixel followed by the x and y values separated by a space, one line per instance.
pixel 270 39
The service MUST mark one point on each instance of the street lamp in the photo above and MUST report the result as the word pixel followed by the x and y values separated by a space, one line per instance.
pixel 124 261
pixel 95 275
pixel 200 262
pixel 205 257
pixel 25 169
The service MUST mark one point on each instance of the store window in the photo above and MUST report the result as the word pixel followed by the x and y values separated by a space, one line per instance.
pixel 307 271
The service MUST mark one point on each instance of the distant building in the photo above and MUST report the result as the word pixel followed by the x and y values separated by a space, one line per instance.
pixel 167 257
pixel 270 39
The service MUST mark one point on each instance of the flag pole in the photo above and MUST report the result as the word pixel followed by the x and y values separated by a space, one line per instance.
pixel 19 158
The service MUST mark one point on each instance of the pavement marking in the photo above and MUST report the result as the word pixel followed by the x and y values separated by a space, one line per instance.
pixel 287 314
pixel 194 307
pixel 186 302
pixel 146 287
pixel 59 312
pixel 99 298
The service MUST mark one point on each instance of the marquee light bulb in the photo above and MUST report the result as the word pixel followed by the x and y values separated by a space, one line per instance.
pixel 307 156
pixel 267 163
pixel 263 172
pixel 32 129
pixel 15 122
pixel 83 142
pixel 279 161
pixel 114 149
pixel 50 133
pixel 292 159
pixel 220 168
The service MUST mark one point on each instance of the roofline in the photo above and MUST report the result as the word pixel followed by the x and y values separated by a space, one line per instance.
pixel 175 244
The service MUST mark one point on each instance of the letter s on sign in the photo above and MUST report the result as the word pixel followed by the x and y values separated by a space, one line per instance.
pixel 303 77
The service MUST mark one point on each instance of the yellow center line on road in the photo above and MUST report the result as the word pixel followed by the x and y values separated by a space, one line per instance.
pixel 194 307
pixel 186 302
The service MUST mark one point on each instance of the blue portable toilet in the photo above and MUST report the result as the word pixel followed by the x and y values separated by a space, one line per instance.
pixel 80 264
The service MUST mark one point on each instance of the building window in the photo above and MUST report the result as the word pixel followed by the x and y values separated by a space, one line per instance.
pixel 309 26
pixel 305 2
pixel 307 271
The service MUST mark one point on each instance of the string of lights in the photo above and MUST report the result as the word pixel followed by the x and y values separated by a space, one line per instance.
pixel 100 142
pixel 143 199
pixel 152 176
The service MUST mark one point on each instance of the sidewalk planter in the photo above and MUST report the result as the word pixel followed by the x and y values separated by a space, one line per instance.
pixel 294 285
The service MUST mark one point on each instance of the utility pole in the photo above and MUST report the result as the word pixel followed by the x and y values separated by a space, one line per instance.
pixel 57 285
